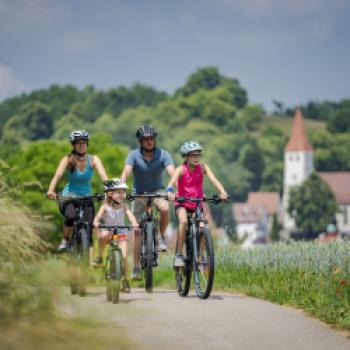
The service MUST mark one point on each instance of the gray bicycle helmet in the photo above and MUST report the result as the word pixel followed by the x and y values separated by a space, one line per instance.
pixel 146 131
pixel 78 135
pixel 190 146
pixel 115 184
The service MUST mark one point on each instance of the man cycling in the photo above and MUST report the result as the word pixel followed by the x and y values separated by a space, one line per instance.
pixel 147 163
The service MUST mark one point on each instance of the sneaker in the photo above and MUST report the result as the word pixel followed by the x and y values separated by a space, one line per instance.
pixel 63 245
pixel 98 260
pixel 125 286
pixel 162 245
pixel 136 274
pixel 179 260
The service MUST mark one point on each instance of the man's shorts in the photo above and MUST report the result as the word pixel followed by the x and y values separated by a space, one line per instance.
pixel 138 206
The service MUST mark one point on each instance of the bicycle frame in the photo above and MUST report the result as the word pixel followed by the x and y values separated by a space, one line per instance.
pixel 149 237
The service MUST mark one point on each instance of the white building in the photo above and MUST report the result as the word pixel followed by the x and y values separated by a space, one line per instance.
pixel 298 165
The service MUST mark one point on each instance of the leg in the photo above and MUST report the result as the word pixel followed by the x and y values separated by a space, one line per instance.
pixel 163 207
pixel 138 208
pixel 182 217
pixel 125 282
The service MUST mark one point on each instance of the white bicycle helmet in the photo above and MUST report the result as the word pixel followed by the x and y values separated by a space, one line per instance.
pixel 190 146
pixel 78 135
pixel 115 184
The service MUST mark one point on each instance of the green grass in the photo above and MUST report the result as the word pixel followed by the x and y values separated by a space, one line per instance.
pixel 313 277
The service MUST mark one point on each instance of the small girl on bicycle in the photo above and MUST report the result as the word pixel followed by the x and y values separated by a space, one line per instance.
pixel 189 179
pixel 113 212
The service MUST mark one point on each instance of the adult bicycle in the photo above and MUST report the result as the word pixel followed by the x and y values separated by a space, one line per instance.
pixel 199 255
pixel 149 237
pixel 113 269
pixel 79 242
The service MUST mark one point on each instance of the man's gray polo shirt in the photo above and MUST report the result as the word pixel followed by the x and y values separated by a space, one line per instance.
pixel 148 175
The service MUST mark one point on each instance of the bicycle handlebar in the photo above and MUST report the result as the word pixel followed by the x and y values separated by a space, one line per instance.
pixel 215 199
pixel 116 227
pixel 97 196
pixel 132 197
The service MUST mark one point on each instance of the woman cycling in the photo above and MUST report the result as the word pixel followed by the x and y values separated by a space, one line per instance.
pixel 79 167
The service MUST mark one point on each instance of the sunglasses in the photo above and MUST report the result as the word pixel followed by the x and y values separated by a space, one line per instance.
pixel 195 155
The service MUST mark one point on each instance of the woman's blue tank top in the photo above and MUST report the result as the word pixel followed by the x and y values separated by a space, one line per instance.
pixel 79 182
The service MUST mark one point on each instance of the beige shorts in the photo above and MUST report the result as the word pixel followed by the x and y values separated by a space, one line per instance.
pixel 138 206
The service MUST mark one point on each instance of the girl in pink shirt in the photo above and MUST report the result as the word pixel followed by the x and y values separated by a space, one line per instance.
pixel 189 179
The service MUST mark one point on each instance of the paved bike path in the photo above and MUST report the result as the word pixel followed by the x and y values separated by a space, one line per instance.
pixel 163 320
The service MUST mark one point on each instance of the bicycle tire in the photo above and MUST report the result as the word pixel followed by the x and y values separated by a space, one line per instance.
pixel 73 263
pixel 203 263
pixel 183 274
pixel 115 274
pixel 84 261
pixel 149 227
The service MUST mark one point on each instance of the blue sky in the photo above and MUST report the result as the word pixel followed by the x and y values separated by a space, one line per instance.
pixel 288 50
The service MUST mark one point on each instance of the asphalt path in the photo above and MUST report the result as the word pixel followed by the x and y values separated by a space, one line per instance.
pixel 163 320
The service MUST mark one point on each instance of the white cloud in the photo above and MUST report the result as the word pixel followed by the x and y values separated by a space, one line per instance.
pixel 9 84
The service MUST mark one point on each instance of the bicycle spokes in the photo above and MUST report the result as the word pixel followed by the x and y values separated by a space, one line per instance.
pixel 204 264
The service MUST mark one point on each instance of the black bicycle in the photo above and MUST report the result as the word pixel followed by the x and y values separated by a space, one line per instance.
pixel 199 251
pixel 149 238
pixel 79 242
pixel 113 269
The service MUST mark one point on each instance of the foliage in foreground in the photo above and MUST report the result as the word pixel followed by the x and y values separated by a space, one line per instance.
pixel 29 318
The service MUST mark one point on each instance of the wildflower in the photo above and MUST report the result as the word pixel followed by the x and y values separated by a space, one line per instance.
pixel 337 269
pixel 342 282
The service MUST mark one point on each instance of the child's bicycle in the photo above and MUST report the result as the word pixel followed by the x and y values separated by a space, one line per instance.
pixel 199 251
pixel 149 237
pixel 113 269
pixel 79 243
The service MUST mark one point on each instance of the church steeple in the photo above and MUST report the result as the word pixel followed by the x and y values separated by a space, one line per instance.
pixel 298 140
pixel 298 164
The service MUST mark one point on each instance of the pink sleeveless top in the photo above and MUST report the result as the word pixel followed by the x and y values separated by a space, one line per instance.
pixel 190 184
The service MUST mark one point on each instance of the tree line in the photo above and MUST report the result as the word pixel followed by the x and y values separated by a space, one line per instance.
pixel 244 150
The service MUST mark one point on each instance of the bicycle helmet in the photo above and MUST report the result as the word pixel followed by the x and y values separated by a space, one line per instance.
pixel 146 131
pixel 115 184
pixel 78 135
pixel 190 146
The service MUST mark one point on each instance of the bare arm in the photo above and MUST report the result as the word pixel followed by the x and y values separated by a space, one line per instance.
pixel 126 172
pixel 100 168
pixel 57 177
pixel 173 181
pixel 215 182
pixel 170 169
pixel 131 217
pixel 99 215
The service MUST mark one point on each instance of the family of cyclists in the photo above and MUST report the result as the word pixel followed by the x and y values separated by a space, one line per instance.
pixel 147 164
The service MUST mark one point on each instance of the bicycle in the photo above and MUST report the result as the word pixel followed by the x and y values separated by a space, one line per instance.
pixel 199 251
pixel 113 269
pixel 79 243
pixel 149 238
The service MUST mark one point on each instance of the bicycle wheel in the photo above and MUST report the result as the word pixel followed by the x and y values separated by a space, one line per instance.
pixel 108 278
pixel 115 274
pixel 183 274
pixel 73 271
pixel 84 261
pixel 203 263
pixel 149 256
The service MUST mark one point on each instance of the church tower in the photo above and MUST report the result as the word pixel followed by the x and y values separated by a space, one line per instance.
pixel 298 164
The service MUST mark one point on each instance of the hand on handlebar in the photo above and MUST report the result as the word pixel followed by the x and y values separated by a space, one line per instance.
pixel 51 195
pixel 171 196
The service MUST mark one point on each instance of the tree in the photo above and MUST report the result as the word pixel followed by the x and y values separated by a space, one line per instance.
pixel 32 123
pixel 312 205
pixel 339 121
pixel 275 230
